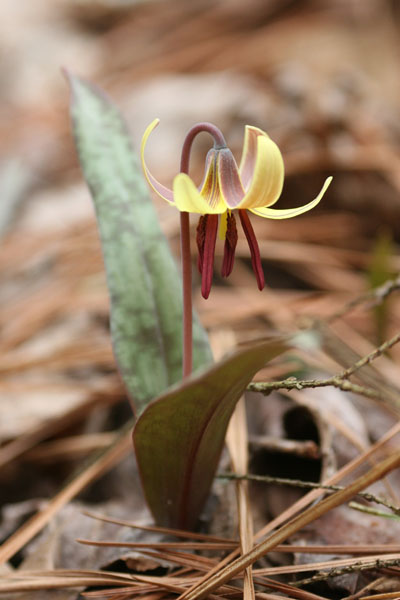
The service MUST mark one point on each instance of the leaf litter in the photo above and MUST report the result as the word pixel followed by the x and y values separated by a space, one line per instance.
pixel 331 111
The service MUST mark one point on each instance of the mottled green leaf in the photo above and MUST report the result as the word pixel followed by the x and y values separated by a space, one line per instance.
pixel 178 438
pixel 143 281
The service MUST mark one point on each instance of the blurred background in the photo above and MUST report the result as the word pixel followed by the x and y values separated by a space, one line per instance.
pixel 320 76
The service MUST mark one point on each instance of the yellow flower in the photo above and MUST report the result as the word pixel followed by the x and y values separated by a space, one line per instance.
pixel 255 186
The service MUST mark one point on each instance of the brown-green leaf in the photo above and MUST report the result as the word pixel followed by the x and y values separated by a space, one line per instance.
pixel 179 437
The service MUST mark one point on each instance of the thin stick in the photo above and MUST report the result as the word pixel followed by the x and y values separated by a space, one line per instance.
pixel 306 485
pixel 366 360
pixel 377 472
pixel 304 501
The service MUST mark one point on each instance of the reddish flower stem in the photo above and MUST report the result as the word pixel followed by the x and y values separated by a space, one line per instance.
pixel 187 355
pixel 219 141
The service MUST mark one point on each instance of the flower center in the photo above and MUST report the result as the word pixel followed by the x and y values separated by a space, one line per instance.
pixel 206 237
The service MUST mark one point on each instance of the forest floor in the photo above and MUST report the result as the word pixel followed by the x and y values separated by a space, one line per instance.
pixel 321 77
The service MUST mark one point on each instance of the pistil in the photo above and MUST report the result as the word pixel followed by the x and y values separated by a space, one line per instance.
pixel 200 239
pixel 231 238
pixel 207 260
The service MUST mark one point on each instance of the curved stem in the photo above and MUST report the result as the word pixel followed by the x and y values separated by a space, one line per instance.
pixel 219 142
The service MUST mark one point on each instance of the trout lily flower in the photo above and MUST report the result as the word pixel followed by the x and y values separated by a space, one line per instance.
pixel 226 188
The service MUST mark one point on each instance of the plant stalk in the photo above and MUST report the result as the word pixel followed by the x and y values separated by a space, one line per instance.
pixel 187 355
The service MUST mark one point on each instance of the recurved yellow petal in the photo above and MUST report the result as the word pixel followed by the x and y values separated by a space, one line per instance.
pixel 249 154
pixel 229 182
pixel 187 198
pixel 266 183
pixel 158 187
pixel 288 213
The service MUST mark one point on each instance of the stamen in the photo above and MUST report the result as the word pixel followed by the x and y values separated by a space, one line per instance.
pixel 211 228
pixel 254 249
pixel 200 239
pixel 231 238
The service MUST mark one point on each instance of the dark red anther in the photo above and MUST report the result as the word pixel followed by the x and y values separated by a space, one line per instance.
pixel 211 228
pixel 231 238
pixel 200 239
pixel 254 249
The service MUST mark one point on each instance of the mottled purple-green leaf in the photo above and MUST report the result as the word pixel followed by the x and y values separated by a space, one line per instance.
pixel 142 277
pixel 179 437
